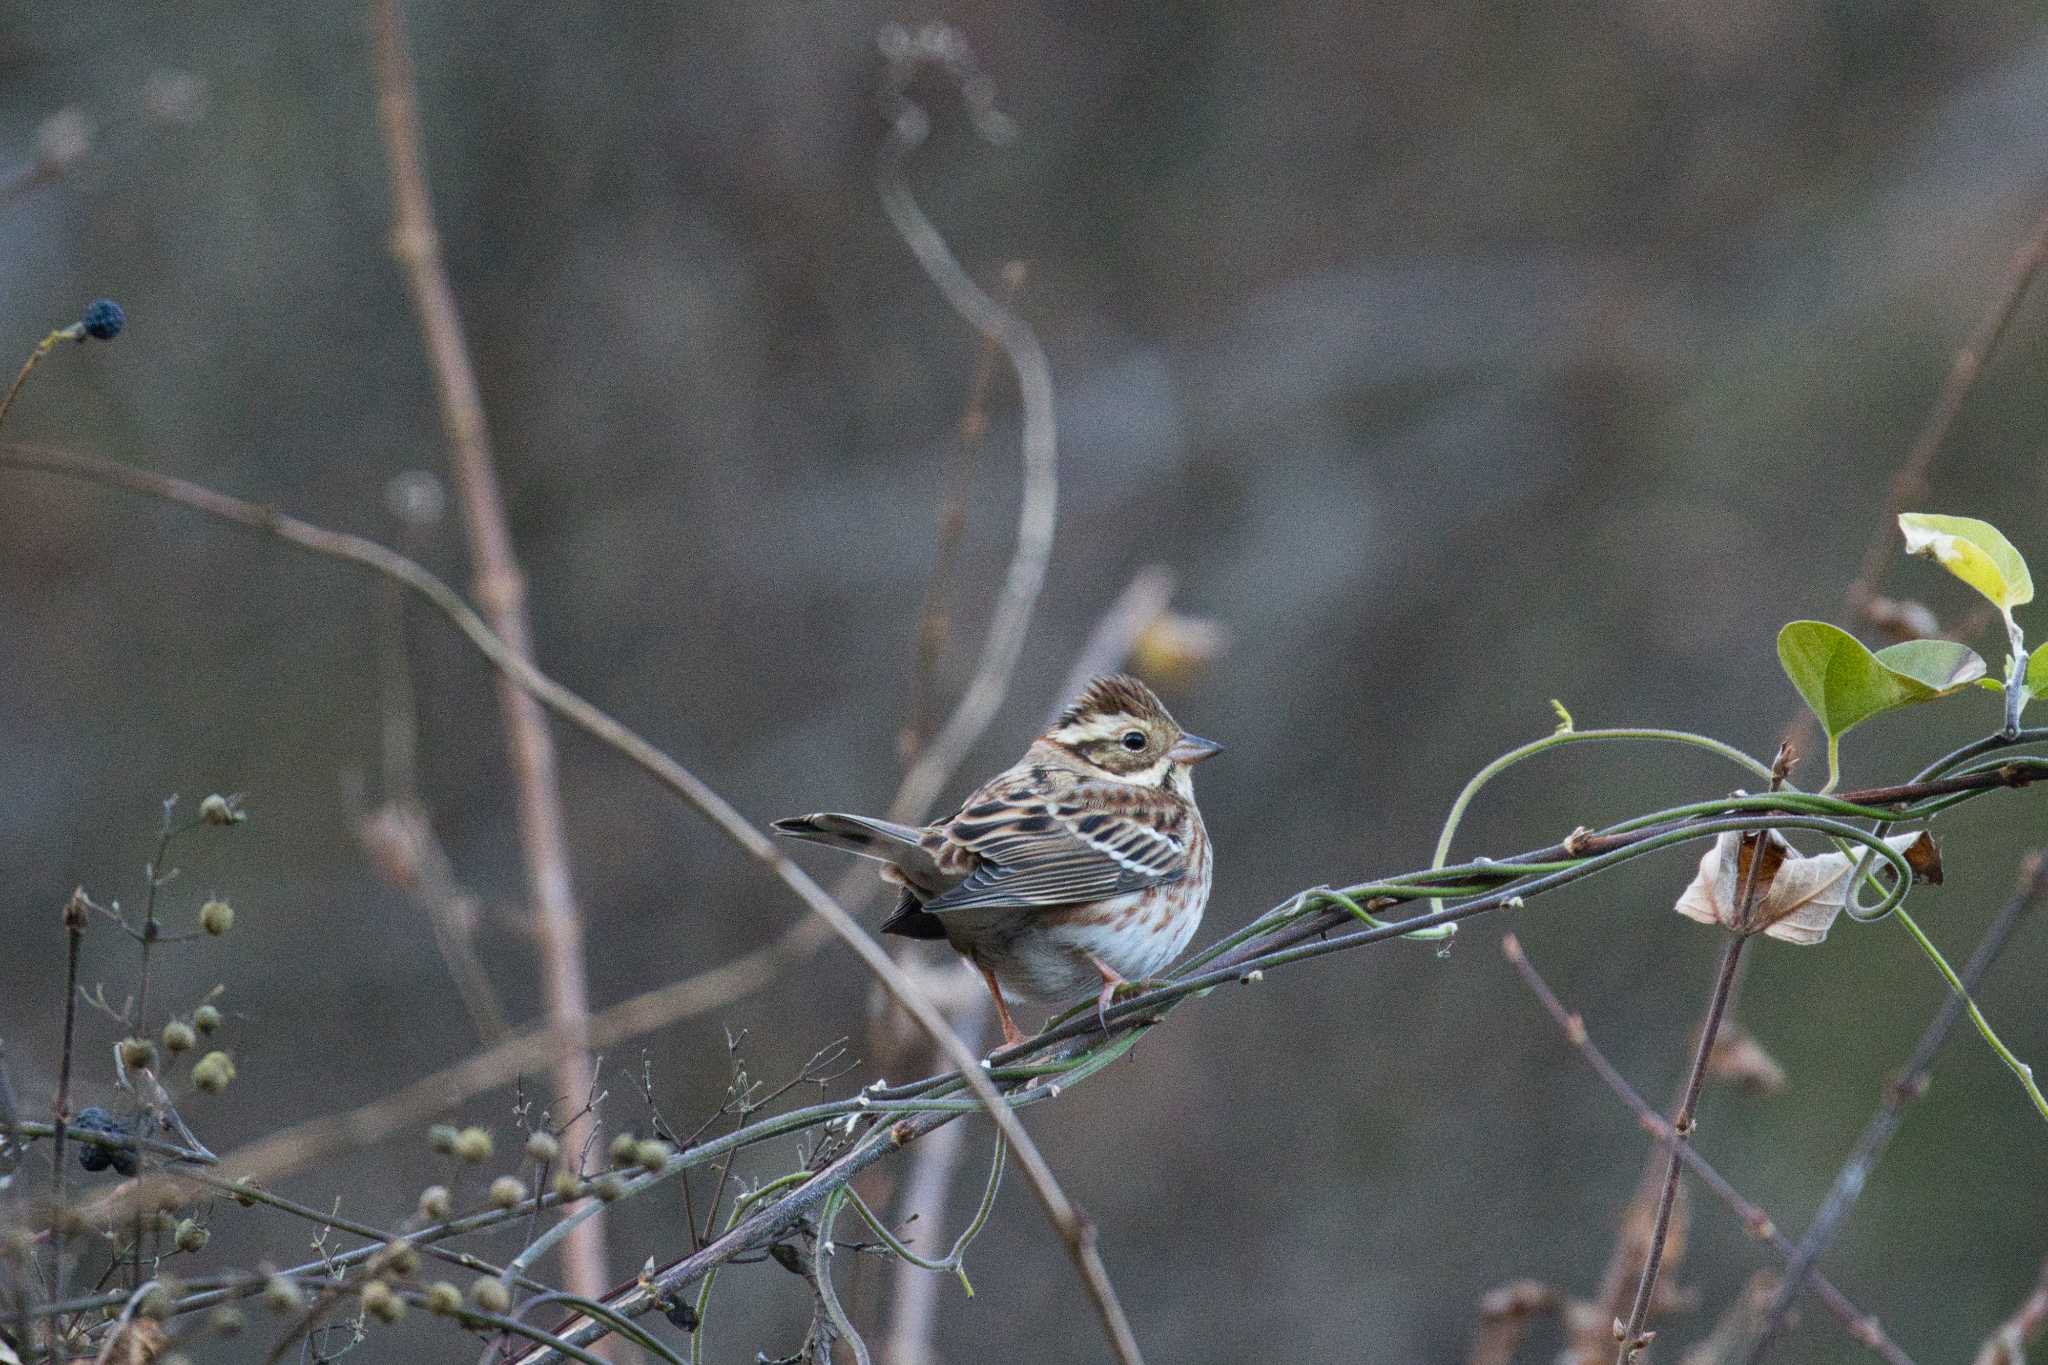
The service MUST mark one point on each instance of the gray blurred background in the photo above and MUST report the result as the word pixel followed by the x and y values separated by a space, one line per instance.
pixel 1456 358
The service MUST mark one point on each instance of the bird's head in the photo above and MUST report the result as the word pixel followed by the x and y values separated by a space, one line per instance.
pixel 1118 727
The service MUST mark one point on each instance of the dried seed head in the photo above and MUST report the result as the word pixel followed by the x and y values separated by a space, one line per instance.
pixel 179 1037
pixel 508 1192
pixel 435 1203
pixel 137 1053
pixel 401 1257
pixel 543 1147
pixel 158 1301
pixel 227 1321
pixel 568 1184
pixel 625 1150
pixel 443 1299
pixel 609 1188
pixel 474 1146
pixel 206 1019
pixel 652 1154
pixel 283 1295
pixel 213 1072
pixel 490 1295
pixel 221 810
pixel 216 917
pixel 381 1303
pixel 441 1137
pixel 190 1236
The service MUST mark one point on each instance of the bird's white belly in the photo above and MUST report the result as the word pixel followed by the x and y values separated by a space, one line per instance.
pixel 1044 955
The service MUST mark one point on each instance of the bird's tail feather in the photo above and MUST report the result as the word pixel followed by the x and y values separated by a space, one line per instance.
pixel 883 840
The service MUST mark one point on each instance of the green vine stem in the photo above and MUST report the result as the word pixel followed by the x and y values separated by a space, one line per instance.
pixel 1984 1029
pixel 1567 734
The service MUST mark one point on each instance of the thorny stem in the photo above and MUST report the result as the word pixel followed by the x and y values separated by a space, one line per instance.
pixel 1633 1338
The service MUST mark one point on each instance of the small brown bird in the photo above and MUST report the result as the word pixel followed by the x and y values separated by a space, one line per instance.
pixel 1083 866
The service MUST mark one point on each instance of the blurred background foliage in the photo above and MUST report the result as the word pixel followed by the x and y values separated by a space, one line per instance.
pixel 1456 357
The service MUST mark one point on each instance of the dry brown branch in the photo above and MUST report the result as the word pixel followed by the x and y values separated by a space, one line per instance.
pixel 1862 1327
pixel 1075 1230
pixel 500 591
pixel 933 622
pixel 1736 1324
pixel 1909 481
pixel 1505 1315
pixel 1038 440
pixel 2008 1345
pixel 1854 1175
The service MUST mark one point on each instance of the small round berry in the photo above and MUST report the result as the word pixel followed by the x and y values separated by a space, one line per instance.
pixel 206 1019
pixel 609 1188
pixel 543 1147
pixel 283 1295
pixel 96 1158
pixel 227 1320
pixel 216 917
pixel 103 320
pixel 568 1184
pixel 137 1053
pixel 474 1146
pixel 213 1072
pixel 435 1203
pixel 508 1192
pixel 490 1295
pixel 652 1154
pixel 443 1299
pixel 179 1037
pixel 190 1236
pixel 625 1149
pixel 380 1303
pixel 441 1137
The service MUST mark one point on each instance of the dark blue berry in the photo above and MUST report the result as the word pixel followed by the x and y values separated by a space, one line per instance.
pixel 95 1158
pixel 103 319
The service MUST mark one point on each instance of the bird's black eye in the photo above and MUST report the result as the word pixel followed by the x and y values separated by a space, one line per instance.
pixel 1134 740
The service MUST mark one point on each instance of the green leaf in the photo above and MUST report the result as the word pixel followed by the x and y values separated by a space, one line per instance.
pixel 1973 551
pixel 1942 665
pixel 1844 684
pixel 2037 672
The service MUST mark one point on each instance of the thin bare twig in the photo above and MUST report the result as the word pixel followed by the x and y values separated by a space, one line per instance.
pixel 1074 1228
pixel 500 588
pixel 932 621
pixel 1851 1180
pixel 1633 1338
pixel 1909 481
pixel 1862 1327
pixel 1038 441
pixel 2008 1345
pixel 76 915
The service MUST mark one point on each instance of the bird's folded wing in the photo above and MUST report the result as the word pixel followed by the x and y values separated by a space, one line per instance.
pixel 1036 852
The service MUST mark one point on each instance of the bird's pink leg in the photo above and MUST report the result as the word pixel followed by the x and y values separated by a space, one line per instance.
pixel 1012 1035
pixel 1112 981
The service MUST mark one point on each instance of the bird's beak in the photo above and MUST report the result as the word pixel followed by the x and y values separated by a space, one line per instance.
pixel 1193 749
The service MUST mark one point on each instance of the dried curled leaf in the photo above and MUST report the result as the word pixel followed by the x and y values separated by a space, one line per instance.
pixel 1796 898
